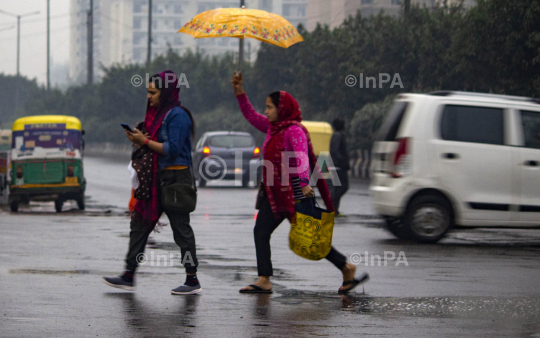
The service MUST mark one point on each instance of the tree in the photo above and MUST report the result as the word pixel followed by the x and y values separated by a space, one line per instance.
pixel 11 89
pixel 498 50
pixel 367 121
pixel 493 47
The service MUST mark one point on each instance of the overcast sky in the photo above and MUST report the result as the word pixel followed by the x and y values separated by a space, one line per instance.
pixel 33 62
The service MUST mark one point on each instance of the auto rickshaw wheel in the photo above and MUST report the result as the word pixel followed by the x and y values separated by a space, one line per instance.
pixel 80 202
pixel 58 204
pixel 245 180
pixel 14 205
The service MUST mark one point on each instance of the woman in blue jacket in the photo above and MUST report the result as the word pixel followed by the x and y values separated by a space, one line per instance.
pixel 169 128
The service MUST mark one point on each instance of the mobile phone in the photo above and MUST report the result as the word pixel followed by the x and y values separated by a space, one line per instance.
pixel 126 127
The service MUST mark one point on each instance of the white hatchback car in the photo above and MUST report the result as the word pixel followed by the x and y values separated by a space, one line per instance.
pixel 460 158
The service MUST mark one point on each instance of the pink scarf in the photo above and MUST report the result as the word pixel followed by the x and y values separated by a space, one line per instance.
pixel 280 195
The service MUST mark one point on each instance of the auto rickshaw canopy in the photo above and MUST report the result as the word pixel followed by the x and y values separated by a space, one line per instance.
pixel 47 121
pixel 320 134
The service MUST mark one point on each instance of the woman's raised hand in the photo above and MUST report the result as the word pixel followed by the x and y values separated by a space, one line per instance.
pixel 238 83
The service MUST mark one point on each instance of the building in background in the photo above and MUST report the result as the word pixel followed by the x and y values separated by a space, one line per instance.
pixel 121 30
pixel 78 38
pixel 60 75
pixel 334 12
pixel 295 11
pixel 167 18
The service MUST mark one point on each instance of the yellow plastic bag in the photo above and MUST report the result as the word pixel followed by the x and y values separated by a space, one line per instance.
pixel 311 233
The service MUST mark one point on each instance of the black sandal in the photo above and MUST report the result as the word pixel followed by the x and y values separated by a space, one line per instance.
pixel 354 283
pixel 256 289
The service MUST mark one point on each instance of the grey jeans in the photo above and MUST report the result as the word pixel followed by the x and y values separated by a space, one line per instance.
pixel 182 231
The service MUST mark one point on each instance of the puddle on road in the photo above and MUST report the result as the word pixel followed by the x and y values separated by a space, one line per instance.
pixel 44 210
pixel 462 307
pixel 98 273
pixel 433 307
pixel 495 237
pixel 93 208
pixel 491 308
pixel 173 247
pixel 49 272
pixel 143 321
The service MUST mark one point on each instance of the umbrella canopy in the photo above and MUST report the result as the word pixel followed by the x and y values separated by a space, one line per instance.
pixel 243 23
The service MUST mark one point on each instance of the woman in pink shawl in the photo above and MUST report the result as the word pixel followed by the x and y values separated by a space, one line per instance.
pixel 285 134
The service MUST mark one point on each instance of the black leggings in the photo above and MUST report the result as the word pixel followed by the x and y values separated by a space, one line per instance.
pixel 264 227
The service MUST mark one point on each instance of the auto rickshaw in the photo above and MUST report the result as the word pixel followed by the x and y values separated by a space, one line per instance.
pixel 5 139
pixel 320 134
pixel 46 159
pixel 5 152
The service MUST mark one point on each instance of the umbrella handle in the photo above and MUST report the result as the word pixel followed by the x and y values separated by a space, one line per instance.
pixel 241 54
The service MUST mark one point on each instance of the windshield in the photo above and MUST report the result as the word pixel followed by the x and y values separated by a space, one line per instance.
pixel 232 141
pixel 389 129
pixel 46 142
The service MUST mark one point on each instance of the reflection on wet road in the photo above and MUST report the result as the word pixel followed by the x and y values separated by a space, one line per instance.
pixel 480 282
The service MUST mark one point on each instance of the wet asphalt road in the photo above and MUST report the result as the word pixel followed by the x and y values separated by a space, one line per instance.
pixel 482 282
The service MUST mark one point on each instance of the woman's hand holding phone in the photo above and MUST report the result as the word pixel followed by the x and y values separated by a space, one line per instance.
pixel 126 127
pixel 137 137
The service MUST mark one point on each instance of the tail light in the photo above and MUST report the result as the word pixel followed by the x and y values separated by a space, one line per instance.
pixel 19 172
pixel 256 152
pixel 70 171
pixel 206 151
pixel 402 160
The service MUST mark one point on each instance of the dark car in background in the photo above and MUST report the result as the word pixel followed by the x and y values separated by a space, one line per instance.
pixel 226 155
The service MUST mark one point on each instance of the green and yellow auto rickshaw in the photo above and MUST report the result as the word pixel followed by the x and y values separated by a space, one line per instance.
pixel 46 161
pixel 5 153
pixel 5 140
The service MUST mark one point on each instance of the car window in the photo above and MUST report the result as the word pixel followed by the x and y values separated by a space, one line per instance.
pixel 231 141
pixel 473 124
pixel 391 125
pixel 199 144
pixel 531 128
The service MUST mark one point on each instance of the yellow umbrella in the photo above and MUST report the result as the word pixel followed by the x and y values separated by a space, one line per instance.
pixel 243 23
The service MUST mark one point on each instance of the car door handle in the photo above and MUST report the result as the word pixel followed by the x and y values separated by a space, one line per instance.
pixel 450 156
pixel 531 163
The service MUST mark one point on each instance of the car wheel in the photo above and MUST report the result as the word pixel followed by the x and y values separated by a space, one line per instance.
pixel 202 182
pixel 397 228
pixel 14 205
pixel 80 202
pixel 58 203
pixel 428 218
